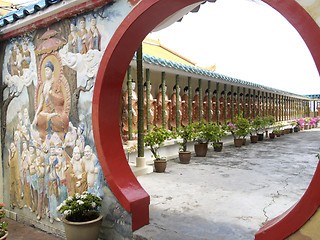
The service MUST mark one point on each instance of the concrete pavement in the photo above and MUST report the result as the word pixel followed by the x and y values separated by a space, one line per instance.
pixel 229 195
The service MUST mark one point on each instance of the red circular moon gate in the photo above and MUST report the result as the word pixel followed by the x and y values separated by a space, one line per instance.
pixel 135 27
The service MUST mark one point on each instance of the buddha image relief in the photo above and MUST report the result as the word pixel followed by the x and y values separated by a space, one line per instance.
pixel 49 77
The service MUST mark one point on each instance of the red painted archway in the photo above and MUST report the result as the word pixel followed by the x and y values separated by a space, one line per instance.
pixel 141 20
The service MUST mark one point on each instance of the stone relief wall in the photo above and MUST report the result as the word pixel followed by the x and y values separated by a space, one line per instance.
pixel 49 151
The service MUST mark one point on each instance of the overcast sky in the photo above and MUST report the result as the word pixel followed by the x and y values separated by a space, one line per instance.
pixel 247 40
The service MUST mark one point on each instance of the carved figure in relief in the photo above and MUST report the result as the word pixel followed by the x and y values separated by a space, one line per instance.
pixel 241 103
pixel 15 179
pixel 152 105
pixel 62 167
pixel 25 56
pixel 248 109
pixel 33 177
pixel 89 160
pixel 26 175
pixel 196 106
pixel 80 138
pixel 53 181
pixel 205 105
pixel 94 36
pixel 222 107
pixel 158 121
pixel 83 37
pixel 214 106
pixel 73 38
pixel 235 104
pixel 185 107
pixel 14 66
pixel 173 109
pixel 78 176
pixel 229 113
pixel 52 115
pixel 40 171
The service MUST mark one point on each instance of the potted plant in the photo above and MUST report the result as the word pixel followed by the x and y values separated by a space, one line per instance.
pixel 256 125
pixel 220 131
pixel 155 139
pixel 3 224
pixel 81 217
pixel 267 123
pixel 277 129
pixel 186 133
pixel 239 129
pixel 201 137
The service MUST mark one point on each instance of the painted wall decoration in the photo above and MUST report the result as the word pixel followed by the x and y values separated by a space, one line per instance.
pixel 49 78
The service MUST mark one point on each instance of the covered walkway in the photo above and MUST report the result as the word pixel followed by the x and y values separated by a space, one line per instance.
pixel 229 195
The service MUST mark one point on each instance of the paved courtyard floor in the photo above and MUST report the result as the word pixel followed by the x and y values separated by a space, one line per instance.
pixel 229 195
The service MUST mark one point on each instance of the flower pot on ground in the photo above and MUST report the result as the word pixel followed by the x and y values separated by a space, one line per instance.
pixel 296 129
pixel 185 157
pixel 257 125
pixel 88 230
pixel 272 135
pixel 3 224
pixel 254 138
pixel 201 149
pixel 205 133
pixel 238 142
pixel 260 136
pixel 244 141
pixel 160 165
pixel 81 219
pixel 155 139
pixel 186 133
pixel 240 128
pixel 4 237
pixel 217 146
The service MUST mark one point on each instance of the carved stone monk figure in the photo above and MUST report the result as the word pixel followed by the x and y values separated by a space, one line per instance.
pixel 15 178
pixel 221 107
pixel 235 104
pixel 185 107
pixel 51 116
pixel 152 104
pixel 126 110
pixel 214 106
pixel 196 106
pixel 248 108
pixel 241 103
pixel 173 109
pixel 205 105
pixel 158 120
pixel 229 113
pixel 83 37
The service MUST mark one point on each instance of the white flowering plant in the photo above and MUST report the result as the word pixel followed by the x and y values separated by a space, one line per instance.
pixel 80 207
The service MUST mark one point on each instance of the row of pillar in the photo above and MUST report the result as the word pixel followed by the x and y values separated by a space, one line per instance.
pixel 238 100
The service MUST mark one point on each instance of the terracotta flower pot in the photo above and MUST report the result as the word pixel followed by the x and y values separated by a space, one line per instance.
pixel 244 140
pixel 185 157
pixel 254 139
pixel 238 142
pixel 201 149
pixel 260 136
pixel 82 230
pixel 218 147
pixel 4 237
pixel 160 165
pixel 272 135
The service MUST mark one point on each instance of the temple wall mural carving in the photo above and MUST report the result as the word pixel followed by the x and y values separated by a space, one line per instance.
pixel 49 151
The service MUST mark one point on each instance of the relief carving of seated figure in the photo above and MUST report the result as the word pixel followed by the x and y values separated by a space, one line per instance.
pixel 51 116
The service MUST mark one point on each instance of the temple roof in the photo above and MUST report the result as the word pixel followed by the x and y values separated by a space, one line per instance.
pixel 6 7
pixel 22 12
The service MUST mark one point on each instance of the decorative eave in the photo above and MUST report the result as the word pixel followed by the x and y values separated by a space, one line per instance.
pixel 171 66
